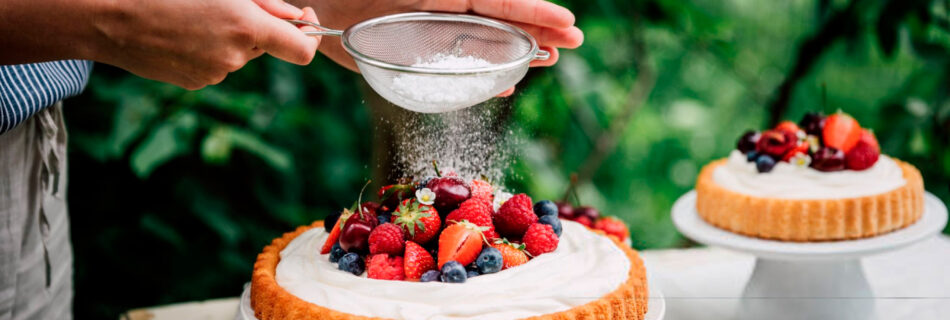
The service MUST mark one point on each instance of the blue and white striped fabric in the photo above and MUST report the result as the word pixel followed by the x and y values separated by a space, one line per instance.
pixel 26 89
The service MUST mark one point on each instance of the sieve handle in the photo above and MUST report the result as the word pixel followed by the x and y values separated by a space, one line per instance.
pixel 322 31
pixel 542 55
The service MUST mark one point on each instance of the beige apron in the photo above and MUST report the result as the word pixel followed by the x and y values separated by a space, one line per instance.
pixel 36 262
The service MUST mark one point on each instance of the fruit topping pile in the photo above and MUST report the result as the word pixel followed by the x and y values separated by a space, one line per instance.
pixel 589 217
pixel 443 229
pixel 826 143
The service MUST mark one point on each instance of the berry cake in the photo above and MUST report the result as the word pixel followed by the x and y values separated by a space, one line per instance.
pixel 822 179
pixel 448 248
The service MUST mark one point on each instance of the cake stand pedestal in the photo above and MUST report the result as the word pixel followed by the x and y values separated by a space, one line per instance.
pixel 809 280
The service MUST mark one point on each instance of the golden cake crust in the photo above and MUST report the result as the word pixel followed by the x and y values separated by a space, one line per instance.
pixel 804 220
pixel 271 302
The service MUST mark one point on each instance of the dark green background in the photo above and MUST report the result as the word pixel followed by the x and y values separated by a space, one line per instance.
pixel 173 193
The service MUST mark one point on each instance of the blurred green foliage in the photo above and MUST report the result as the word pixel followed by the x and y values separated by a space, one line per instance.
pixel 173 193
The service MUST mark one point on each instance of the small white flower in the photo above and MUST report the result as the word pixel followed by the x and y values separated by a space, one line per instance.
pixel 813 143
pixel 801 135
pixel 800 160
pixel 425 196
pixel 500 198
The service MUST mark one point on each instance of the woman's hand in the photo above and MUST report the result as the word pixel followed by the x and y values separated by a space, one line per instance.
pixel 552 25
pixel 197 43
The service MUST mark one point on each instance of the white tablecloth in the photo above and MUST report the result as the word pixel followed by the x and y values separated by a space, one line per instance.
pixel 707 283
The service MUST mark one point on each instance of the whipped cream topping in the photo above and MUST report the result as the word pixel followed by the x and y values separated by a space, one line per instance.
pixel 584 268
pixel 788 181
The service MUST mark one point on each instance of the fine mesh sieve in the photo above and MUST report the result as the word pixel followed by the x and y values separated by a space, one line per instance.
pixel 437 62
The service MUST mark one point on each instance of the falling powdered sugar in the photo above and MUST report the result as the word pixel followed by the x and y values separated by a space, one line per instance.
pixel 445 89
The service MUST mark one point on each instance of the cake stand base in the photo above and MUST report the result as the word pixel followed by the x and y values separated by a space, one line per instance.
pixel 810 280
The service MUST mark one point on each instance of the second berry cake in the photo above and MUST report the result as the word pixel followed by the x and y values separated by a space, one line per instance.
pixel 823 178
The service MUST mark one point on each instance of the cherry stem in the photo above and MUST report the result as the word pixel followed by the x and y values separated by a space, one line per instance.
pixel 435 165
pixel 359 199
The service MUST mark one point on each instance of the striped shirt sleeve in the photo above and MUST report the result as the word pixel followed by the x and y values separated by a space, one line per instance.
pixel 26 89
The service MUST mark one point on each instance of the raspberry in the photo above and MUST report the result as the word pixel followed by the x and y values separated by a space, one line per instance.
pixel 865 153
pixel 385 267
pixel 515 216
pixel 386 238
pixel 482 189
pixel 540 239
pixel 475 210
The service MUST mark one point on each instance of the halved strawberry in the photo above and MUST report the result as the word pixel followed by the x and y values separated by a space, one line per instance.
pixel 333 238
pixel 841 131
pixel 417 261
pixel 461 242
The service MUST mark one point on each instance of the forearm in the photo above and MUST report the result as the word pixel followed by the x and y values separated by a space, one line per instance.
pixel 44 30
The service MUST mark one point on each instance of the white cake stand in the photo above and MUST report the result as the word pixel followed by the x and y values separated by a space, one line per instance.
pixel 656 305
pixel 811 280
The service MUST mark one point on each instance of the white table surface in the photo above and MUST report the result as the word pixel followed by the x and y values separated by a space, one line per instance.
pixel 707 283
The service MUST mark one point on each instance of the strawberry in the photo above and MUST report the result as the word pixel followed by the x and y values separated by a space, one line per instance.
pixel 802 147
pixel 390 196
pixel 841 132
pixel 385 267
pixel 788 126
pixel 776 143
pixel 512 255
pixel 515 216
pixel 613 227
pixel 540 239
pixel 482 189
pixel 419 222
pixel 333 238
pixel 417 261
pixel 864 154
pixel 386 238
pixel 460 242
pixel 474 210
pixel 587 222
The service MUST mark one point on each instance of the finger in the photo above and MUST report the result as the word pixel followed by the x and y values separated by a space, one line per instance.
pixel 508 92
pixel 536 12
pixel 280 9
pixel 550 61
pixel 284 41
pixel 568 38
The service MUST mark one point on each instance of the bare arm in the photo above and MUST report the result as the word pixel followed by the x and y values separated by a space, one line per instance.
pixel 190 43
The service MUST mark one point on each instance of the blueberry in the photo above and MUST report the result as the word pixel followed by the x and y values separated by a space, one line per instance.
pixel 431 275
pixel 552 221
pixel 453 272
pixel 764 163
pixel 490 260
pixel 384 217
pixel 352 263
pixel 751 156
pixel 330 220
pixel 336 253
pixel 472 273
pixel 545 208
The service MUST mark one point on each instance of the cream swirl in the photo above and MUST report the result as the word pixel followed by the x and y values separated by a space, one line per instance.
pixel 788 181
pixel 584 268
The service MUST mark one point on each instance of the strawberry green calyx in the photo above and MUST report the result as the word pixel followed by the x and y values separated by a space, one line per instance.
pixel 505 241
pixel 474 227
pixel 410 216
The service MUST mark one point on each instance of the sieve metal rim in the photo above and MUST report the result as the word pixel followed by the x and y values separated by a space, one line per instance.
pixel 533 53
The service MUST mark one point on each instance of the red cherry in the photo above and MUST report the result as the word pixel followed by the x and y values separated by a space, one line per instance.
pixel 828 159
pixel 590 213
pixel 776 143
pixel 449 193
pixel 565 211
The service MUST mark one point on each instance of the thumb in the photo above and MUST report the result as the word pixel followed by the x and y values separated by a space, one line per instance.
pixel 284 41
